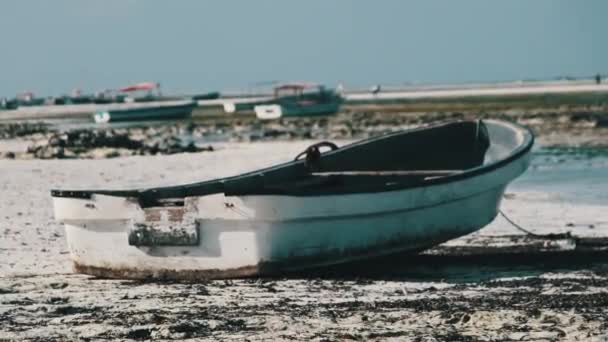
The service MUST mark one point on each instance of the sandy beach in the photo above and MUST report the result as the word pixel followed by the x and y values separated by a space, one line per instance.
pixel 437 296
pixel 178 171
pixel 41 299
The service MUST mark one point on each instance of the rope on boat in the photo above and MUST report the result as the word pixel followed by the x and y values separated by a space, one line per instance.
pixel 517 226
pixel 551 236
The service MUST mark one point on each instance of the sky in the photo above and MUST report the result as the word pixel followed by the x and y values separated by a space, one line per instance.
pixel 52 47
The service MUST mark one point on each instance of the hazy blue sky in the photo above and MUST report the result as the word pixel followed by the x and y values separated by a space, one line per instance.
pixel 51 47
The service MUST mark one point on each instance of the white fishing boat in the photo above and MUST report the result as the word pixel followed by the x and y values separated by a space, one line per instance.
pixel 405 191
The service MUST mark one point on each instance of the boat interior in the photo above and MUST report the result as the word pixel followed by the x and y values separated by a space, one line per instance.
pixel 413 158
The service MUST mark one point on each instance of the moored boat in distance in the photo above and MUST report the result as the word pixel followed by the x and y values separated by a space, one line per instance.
pixel 160 111
pixel 299 99
pixel 402 192
pixel 206 96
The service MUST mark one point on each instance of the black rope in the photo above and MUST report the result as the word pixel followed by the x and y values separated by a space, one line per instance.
pixel 551 236
pixel 517 226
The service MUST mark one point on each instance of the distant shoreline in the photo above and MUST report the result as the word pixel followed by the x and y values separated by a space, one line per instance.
pixel 583 126
pixel 414 98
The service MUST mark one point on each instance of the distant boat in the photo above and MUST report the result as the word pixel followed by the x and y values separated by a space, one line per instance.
pixel 142 92
pixel 79 99
pixel 27 99
pixel 142 86
pixel 302 99
pixel 109 99
pixel 9 104
pixel 207 96
pixel 402 192
pixel 148 112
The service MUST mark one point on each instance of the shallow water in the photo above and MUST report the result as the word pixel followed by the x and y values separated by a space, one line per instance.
pixel 577 175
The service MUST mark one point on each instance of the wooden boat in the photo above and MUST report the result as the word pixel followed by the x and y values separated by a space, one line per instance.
pixel 401 192
pixel 172 111
pixel 302 100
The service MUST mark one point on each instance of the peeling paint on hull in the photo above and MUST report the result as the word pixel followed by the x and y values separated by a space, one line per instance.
pixel 165 274
pixel 260 269
pixel 235 248
pixel 228 234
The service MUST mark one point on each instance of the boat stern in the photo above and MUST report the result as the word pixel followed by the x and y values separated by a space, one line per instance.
pixel 115 237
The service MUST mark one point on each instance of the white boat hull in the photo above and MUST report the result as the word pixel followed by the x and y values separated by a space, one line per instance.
pixel 253 235
pixel 268 112
pixel 252 225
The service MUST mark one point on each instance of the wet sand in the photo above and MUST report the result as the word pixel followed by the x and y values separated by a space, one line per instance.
pixel 564 306
pixel 432 297
pixel 40 299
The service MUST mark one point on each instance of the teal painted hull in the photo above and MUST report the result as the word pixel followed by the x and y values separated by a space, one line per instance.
pixel 312 110
pixel 208 96
pixel 249 106
pixel 148 113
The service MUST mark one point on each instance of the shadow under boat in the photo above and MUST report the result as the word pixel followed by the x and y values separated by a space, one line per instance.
pixel 489 258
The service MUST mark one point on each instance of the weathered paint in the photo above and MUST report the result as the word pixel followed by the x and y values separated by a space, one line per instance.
pixel 262 268
pixel 166 226
pixel 165 274
pixel 233 244
pixel 163 234
pixel 265 234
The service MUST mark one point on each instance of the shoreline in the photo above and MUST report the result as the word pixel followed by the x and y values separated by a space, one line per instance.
pixel 431 97
pixel 25 140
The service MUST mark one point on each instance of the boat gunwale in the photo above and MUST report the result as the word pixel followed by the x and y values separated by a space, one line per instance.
pixel 382 212
pixel 524 147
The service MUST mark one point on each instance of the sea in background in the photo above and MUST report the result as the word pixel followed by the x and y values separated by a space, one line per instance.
pixel 577 174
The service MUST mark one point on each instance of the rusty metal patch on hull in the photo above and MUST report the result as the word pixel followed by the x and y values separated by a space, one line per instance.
pixel 166 274
pixel 166 226
pixel 157 234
